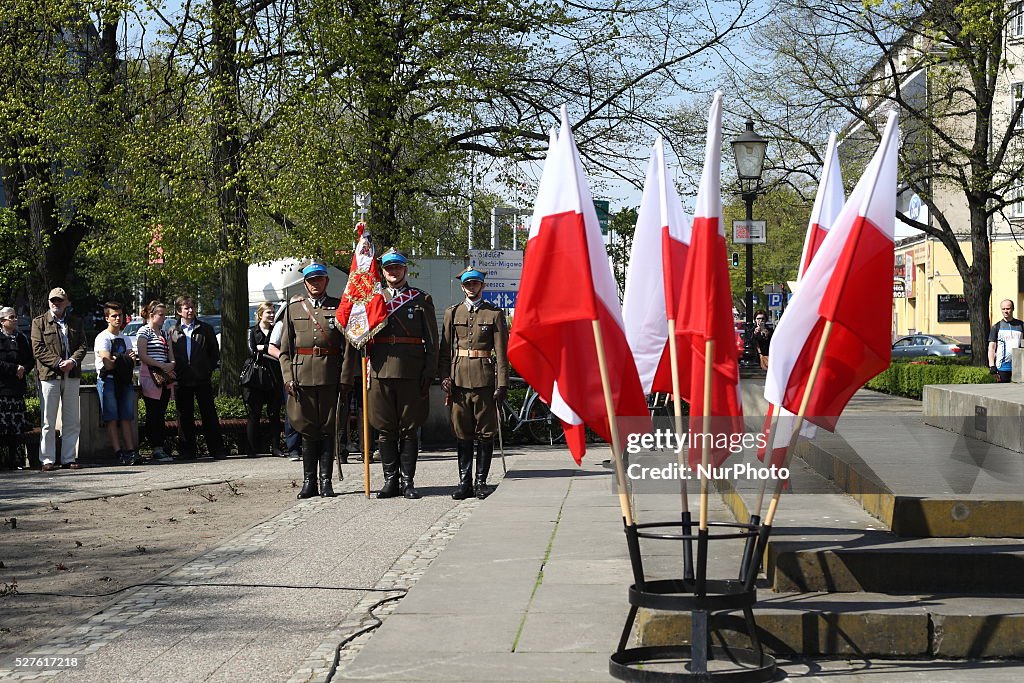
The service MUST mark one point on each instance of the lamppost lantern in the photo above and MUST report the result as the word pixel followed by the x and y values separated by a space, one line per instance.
pixel 749 150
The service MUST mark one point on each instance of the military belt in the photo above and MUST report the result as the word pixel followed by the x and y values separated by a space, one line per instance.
pixel 396 340
pixel 318 350
pixel 474 353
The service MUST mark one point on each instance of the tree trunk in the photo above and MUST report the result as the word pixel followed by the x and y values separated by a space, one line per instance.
pixel 978 285
pixel 231 195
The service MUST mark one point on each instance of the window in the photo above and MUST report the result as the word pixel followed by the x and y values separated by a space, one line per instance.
pixel 1015 202
pixel 1015 20
pixel 1016 95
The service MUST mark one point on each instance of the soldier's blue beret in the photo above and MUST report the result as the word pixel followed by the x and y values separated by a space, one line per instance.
pixel 472 274
pixel 314 270
pixel 393 257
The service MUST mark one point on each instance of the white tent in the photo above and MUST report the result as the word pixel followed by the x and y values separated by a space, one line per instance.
pixel 278 280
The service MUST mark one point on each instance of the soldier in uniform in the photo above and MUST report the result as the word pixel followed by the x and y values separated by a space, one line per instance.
pixel 312 352
pixel 474 372
pixel 402 365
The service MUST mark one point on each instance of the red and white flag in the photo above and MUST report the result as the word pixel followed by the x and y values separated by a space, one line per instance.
pixel 828 202
pixel 566 285
pixel 655 277
pixel 847 283
pixel 705 313
pixel 361 312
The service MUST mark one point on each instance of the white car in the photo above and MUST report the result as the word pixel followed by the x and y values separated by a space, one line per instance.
pixel 131 331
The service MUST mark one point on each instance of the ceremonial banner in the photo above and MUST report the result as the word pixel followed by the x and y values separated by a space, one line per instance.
pixel 361 312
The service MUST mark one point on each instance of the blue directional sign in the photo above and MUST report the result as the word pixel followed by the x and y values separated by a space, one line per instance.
pixel 501 299
pixel 775 300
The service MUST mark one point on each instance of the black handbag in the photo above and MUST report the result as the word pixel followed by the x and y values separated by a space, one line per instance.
pixel 255 373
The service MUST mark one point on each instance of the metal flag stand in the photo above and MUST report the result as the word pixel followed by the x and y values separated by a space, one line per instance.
pixel 703 598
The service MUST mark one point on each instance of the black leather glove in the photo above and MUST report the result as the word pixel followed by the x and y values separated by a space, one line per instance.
pixel 500 393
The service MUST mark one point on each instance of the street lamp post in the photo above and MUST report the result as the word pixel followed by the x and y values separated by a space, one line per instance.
pixel 749 150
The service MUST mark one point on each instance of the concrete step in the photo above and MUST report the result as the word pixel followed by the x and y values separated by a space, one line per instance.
pixel 988 412
pixel 917 479
pixel 863 624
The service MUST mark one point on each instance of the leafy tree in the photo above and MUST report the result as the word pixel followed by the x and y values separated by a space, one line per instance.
pixel 943 65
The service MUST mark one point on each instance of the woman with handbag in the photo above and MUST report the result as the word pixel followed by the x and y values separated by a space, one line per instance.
pixel 15 363
pixel 156 376
pixel 261 383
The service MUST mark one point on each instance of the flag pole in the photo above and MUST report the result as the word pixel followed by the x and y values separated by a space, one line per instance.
pixel 616 445
pixel 709 353
pixel 366 430
pixel 677 405
pixel 804 402
pixel 673 352
pixel 773 425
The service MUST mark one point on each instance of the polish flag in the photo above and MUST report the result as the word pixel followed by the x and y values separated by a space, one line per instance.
pixel 705 313
pixel 828 202
pixel 655 278
pixel 847 283
pixel 361 312
pixel 566 285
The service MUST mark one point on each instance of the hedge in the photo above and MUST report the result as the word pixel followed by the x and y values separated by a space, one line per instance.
pixel 908 379
pixel 228 407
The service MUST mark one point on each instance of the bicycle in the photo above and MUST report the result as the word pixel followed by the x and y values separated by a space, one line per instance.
pixel 533 417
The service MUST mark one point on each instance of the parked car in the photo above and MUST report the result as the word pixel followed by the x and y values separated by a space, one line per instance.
pixel 131 330
pixel 915 345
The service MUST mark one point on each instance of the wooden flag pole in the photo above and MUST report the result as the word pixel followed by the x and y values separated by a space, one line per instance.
pixel 768 454
pixel 366 431
pixel 616 445
pixel 804 402
pixel 709 359
pixel 673 352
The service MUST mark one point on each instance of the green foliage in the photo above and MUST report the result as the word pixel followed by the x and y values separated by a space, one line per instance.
pixel 908 379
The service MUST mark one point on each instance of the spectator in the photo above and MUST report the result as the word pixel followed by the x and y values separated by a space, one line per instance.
pixel 256 397
pixel 15 363
pixel 156 377
pixel 115 385
pixel 762 337
pixel 58 344
pixel 196 356
pixel 1007 334
pixel 292 439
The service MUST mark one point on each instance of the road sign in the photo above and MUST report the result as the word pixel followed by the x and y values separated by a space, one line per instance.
pixel 602 207
pixel 775 300
pixel 749 232
pixel 504 268
pixel 501 299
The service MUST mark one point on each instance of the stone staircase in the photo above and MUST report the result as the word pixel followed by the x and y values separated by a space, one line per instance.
pixel 897 539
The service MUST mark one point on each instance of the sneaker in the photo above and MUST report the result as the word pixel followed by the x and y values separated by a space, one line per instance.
pixel 120 457
pixel 130 458
pixel 160 456
pixel 295 456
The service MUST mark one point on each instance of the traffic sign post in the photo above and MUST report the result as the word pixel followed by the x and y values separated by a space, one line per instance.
pixel 504 268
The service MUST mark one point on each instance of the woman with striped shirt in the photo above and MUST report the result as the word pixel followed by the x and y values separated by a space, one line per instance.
pixel 156 375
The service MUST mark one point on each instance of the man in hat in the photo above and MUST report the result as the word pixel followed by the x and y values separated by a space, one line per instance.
pixel 312 354
pixel 58 344
pixel 474 372
pixel 402 366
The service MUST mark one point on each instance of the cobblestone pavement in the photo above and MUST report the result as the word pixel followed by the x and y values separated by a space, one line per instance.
pixel 326 550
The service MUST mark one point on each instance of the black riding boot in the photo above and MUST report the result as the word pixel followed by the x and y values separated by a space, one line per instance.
pixel 407 470
pixel 326 469
pixel 484 453
pixel 465 488
pixel 310 460
pixel 389 463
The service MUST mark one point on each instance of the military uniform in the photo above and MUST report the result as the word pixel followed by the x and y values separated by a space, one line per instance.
pixel 474 339
pixel 402 362
pixel 312 353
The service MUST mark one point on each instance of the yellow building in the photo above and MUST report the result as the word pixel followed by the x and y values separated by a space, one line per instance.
pixel 928 291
